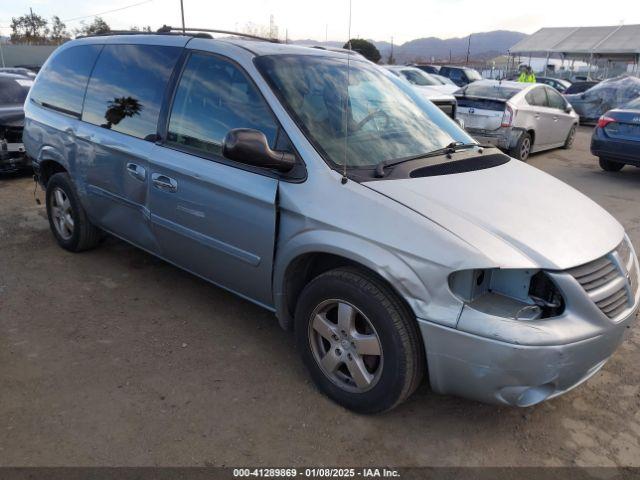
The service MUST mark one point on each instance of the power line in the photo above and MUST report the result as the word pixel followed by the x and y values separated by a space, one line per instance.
pixel 106 12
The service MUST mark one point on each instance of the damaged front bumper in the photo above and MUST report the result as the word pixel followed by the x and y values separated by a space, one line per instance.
pixel 503 138
pixel 12 157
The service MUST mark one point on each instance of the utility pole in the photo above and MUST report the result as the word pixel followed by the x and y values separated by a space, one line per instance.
pixel 391 59
pixel 468 50
pixel 326 32
pixel 182 13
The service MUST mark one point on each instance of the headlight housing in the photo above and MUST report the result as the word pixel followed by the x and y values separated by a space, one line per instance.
pixel 519 294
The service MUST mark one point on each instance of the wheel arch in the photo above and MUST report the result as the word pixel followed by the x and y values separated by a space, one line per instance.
pixel 293 272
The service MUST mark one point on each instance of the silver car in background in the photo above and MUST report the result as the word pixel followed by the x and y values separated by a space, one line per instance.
pixel 518 118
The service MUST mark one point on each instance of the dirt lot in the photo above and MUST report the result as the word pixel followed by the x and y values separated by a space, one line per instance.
pixel 112 357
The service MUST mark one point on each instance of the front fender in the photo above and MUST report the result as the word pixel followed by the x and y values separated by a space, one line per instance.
pixel 386 263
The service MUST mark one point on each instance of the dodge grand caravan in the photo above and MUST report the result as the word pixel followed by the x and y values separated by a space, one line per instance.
pixel 324 189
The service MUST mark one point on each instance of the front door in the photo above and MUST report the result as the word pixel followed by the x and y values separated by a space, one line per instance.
pixel 562 121
pixel 213 217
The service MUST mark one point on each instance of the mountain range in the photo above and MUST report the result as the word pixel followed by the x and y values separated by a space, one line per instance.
pixel 484 46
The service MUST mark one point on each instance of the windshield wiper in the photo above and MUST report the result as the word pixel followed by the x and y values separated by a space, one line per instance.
pixel 451 148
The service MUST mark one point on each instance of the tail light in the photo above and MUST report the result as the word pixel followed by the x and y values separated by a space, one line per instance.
pixel 603 121
pixel 507 117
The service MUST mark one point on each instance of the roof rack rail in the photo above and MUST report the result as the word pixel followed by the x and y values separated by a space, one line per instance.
pixel 136 32
pixel 166 29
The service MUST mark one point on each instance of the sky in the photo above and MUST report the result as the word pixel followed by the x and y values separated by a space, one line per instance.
pixel 375 19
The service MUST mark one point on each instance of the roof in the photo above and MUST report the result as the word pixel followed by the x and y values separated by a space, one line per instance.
pixel 617 40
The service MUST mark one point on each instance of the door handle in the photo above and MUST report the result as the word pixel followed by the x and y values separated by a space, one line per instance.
pixel 136 171
pixel 555 119
pixel 163 182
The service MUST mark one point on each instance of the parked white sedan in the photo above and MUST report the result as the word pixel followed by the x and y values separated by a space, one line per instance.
pixel 519 118
pixel 435 90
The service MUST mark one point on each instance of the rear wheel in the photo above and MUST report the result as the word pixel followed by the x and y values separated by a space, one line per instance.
pixel 522 149
pixel 610 165
pixel 568 143
pixel 358 340
pixel 67 219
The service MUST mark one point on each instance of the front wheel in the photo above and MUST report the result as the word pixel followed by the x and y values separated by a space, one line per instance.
pixel 568 143
pixel 610 166
pixel 359 341
pixel 522 148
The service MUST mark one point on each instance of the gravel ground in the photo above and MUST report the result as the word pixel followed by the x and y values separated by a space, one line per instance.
pixel 112 357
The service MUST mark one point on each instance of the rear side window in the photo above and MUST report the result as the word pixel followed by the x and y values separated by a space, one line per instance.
pixel 213 97
pixel 537 97
pixel 62 82
pixel 127 87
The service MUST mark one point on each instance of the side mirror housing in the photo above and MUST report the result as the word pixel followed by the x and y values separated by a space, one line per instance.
pixel 460 122
pixel 568 108
pixel 249 146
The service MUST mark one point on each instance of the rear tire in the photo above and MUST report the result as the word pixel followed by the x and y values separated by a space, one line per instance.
pixel 568 143
pixel 522 149
pixel 68 221
pixel 381 325
pixel 610 165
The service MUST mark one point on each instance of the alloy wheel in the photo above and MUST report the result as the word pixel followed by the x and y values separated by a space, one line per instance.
pixel 61 213
pixel 525 149
pixel 345 345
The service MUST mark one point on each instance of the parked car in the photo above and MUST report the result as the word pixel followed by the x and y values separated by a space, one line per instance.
pixel 13 92
pixel 434 69
pixel 461 76
pixel 25 72
pixel 579 87
pixel 341 200
pixel 559 84
pixel 616 138
pixel 519 118
pixel 443 80
pixel 434 90
pixel 606 95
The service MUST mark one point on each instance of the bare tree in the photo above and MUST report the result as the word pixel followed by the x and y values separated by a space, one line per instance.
pixel 30 28
pixel 59 32
pixel 94 28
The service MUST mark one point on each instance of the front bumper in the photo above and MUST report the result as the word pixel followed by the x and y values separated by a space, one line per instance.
pixel 504 138
pixel 12 157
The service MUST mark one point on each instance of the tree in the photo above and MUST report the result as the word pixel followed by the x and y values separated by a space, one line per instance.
pixel 59 32
pixel 29 28
pixel 364 48
pixel 94 28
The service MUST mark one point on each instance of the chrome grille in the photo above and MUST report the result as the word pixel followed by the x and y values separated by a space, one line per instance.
pixel 611 281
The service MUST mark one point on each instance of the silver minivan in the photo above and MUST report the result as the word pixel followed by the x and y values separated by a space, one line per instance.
pixel 325 189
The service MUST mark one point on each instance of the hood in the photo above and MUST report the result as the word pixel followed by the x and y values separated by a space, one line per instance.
pixel 514 214
pixel 433 92
pixel 12 115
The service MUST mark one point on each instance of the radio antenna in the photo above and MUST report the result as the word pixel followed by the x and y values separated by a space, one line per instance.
pixel 346 103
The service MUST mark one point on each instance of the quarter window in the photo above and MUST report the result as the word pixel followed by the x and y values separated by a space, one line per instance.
pixel 213 97
pixel 62 82
pixel 127 87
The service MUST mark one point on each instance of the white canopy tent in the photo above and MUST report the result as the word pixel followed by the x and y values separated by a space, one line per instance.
pixel 620 43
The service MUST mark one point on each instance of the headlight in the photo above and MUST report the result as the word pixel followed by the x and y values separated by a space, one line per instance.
pixel 508 293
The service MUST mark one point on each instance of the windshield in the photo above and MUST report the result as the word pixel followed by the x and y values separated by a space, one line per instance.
pixel 633 104
pixel 14 91
pixel 418 77
pixel 499 90
pixel 376 119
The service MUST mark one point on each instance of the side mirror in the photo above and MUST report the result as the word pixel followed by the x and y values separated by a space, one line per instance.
pixel 568 108
pixel 249 146
pixel 460 122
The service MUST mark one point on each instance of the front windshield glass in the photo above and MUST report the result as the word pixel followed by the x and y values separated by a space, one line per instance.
pixel 377 118
pixel 418 77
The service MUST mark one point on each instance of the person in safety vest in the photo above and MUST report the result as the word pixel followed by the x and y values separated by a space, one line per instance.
pixel 527 75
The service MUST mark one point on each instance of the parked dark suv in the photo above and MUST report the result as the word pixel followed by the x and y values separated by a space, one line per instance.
pixel 461 76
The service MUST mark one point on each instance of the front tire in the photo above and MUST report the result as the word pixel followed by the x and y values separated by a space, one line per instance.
pixel 522 148
pixel 68 221
pixel 568 143
pixel 610 166
pixel 360 343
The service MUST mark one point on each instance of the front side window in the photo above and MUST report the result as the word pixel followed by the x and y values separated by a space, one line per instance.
pixel 213 97
pixel 62 82
pixel 374 119
pixel 127 87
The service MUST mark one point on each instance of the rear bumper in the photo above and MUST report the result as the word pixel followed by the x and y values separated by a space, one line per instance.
pixel 13 157
pixel 504 138
pixel 497 372
pixel 625 151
